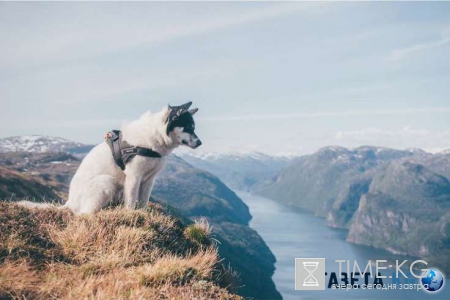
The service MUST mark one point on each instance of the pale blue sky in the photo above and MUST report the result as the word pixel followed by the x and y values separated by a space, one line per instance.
pixel 270 77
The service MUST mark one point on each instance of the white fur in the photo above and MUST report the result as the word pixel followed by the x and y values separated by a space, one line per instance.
pixel 99 181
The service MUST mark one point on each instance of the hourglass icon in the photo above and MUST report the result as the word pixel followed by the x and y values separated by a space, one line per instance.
pixel 310 280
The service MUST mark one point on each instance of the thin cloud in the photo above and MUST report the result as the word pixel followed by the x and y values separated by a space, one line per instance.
pixel 405 137
pixel 399 54
pixel 51 45
pixel 327 114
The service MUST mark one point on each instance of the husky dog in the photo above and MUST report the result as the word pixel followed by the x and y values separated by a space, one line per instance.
pixel 99 181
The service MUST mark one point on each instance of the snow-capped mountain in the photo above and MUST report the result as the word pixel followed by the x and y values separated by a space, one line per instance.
pixel 239 170
pixel 40 143
pixel 239 155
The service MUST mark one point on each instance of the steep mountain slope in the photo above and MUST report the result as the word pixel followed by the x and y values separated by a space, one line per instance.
pixel 313 182
pixel 198 193
pixel 52 171
pixel 240 171
pixel 17 186
pixel 391 199
pixel 406 210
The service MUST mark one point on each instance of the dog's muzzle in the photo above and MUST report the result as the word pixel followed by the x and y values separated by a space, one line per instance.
pixel 198 144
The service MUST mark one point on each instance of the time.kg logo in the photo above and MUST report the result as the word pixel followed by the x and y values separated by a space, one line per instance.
pixel 310 274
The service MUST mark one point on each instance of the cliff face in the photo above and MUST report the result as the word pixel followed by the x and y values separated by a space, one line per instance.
pixel 196 193
pixel 391 199
pixel 406 210
pixel 347 202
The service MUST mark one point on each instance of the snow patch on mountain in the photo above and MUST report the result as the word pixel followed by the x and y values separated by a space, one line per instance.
pixel 40 143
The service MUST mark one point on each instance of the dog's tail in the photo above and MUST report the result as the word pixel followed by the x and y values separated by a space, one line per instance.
pixel 30 204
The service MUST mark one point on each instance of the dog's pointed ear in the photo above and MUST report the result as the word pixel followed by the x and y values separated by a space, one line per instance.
pixel 178 110
pixel 186 106
pixel 193 111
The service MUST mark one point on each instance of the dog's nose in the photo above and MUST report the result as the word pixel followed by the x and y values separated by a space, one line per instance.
pixel 199 143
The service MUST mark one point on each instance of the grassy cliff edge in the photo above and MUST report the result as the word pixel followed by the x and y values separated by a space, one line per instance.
pixel 114 254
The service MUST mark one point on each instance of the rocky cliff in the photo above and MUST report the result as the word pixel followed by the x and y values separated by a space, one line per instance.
pixel 398 200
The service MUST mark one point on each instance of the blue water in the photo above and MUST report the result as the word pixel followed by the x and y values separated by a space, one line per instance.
pixel 292 233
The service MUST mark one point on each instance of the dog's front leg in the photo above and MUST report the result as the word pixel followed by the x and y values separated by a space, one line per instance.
pixel 131 191
pixel 145 190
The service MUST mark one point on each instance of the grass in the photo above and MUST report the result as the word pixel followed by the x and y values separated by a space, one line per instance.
pixel 199 232
pixel 114 254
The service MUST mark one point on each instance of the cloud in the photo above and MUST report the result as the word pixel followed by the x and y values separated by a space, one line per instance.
pixel 57 40
pixel 399 54
pixel 349 113
pixel 406 137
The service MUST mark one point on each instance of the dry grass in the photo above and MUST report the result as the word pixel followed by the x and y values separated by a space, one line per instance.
pixel 199 232
pixel 115 254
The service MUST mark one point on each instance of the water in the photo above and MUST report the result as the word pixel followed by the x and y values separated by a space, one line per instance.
pixel 292 233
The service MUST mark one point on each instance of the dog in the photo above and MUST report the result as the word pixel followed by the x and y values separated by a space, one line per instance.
pixel 99 181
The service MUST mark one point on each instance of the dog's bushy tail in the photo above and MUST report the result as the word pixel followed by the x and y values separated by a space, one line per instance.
pixel 30 204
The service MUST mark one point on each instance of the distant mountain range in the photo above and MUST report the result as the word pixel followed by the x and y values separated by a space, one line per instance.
pixel 398 200
pixel 36 171
pixel 239 170
pixel 40 143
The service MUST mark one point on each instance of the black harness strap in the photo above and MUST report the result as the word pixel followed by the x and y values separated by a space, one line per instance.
pixel 122 152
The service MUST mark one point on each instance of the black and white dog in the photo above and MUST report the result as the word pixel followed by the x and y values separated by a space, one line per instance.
pixel 99 180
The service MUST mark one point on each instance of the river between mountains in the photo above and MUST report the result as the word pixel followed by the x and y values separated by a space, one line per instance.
pixel 292 233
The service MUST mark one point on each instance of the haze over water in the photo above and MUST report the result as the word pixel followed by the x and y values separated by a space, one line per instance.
pixel 292 233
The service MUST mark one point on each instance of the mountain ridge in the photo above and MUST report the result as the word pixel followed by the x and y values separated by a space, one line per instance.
pixel 376 193
pixel 42 143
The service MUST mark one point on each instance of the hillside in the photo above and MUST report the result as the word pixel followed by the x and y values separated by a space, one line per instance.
pixel 48 172
pixel 190 191
pixel 314 182
pixel 17 186
pixel 197 193
pixel 406 210
pixel 398 200
pixel 115 254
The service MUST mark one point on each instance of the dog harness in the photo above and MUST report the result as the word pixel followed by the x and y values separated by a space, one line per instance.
pixel 122 152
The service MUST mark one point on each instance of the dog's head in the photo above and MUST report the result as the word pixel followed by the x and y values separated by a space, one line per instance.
pixel 181 125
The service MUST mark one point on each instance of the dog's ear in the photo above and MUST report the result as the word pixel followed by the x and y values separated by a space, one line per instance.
pixel 178 110
pixel 175 112
pixel 193 111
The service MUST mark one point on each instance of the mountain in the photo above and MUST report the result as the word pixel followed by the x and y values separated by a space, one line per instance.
pixel 240 171
pixel 197 193
pixel 406 210
pixel 17 186
pixel 189 192
pixel 40 143
pixel 313 182
pixel 398 200
pixel 46 171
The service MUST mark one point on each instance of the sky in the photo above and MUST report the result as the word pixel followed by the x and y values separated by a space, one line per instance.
pixel 268 77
